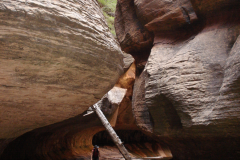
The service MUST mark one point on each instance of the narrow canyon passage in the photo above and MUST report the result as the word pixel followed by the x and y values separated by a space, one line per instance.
pixel 166 75
pixel 67 140
pixel 137 143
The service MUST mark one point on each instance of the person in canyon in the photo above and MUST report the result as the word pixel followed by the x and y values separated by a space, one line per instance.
pixel 95 153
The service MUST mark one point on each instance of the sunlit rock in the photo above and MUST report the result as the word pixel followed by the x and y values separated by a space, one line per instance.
pixel 57 58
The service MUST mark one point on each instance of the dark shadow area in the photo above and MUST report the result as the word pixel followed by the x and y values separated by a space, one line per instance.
pixel 127 137
pixel 164 114
pixel 50 142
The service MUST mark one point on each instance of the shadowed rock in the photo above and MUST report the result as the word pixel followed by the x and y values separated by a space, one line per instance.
pixel 188 90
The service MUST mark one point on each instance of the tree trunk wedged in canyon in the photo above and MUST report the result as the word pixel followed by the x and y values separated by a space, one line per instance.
pixel 57 58
pixel 189 88
pixel 111 132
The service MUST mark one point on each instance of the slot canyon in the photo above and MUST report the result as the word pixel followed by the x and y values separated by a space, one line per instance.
pixel 168 82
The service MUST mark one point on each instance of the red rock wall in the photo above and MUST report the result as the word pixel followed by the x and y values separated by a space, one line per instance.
pixel 187 93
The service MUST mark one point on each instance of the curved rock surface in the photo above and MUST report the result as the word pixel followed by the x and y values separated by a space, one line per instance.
pixel 188 93
pixel 57 58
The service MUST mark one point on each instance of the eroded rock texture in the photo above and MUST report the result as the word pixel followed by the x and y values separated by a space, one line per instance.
pixel 57 58
pixel 187 95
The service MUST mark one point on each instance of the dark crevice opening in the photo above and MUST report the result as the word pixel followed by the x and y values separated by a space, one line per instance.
pixel 127 137
pixel 139 70
pixel 164 114
pixel 186 16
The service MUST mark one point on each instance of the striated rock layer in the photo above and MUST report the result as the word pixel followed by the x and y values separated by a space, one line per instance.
pixel 187 95
pixel 57 58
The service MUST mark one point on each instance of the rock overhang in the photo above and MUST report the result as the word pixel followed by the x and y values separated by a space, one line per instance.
pixel 57 59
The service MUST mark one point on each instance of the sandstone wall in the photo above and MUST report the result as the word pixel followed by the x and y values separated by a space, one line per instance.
pixel 187 95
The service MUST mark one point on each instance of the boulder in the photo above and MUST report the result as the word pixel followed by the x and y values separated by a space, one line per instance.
pixel 57 59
